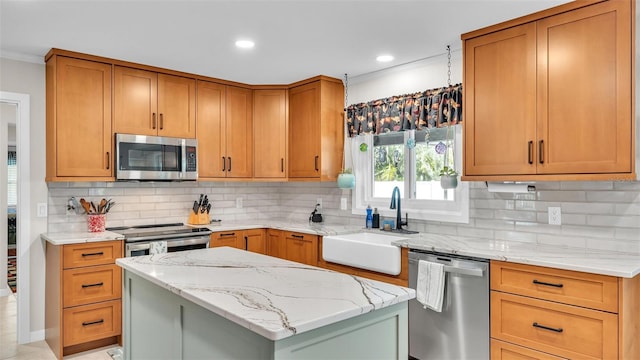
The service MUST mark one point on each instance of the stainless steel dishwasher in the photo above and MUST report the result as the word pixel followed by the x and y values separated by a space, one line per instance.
pixel 461 330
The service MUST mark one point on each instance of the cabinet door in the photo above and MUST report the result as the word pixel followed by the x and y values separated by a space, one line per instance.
pixel 227 238
pixel 269 133
pixel 276 246
pixel 255 241
pixel 176 106
pixel 304 131
pixel 584 81
pixel 500 102
pixel 239 132
pixel 135 101
pixel 302 248
pixel 82 118
pixel 211 130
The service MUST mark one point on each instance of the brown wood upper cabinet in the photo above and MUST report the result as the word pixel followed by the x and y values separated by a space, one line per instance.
pixel 316 129
pixel 549 98
pixel 225 133
pixel 79 141
pixel 150 103
pixel 270 134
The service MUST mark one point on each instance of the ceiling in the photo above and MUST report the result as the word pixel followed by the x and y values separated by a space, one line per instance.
pixel 294 39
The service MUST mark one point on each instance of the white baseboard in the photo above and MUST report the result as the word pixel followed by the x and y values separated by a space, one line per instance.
pixel 37 335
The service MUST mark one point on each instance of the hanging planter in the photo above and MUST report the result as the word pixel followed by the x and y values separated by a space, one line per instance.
pixel 448 178
pixel 346 179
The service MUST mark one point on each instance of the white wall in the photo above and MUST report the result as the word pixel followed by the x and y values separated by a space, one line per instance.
pixel 28 78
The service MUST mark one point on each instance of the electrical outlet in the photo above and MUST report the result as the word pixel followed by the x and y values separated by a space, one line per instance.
pixel 239 203
pixel 555 216
pixel 41 210
pixel 343 203
pixel 319 202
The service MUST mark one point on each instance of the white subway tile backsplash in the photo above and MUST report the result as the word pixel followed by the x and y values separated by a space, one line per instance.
pixel 613 196
pixel 598 215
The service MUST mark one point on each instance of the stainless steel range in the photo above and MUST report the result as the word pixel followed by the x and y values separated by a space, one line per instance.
pixel 178 237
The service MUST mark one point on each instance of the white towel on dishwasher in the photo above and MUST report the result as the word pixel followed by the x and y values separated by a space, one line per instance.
pixel 430 287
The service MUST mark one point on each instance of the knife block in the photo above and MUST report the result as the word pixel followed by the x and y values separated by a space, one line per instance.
pixel 199 219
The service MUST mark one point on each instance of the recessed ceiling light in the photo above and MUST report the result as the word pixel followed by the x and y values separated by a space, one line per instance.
pixel 245 44
pixel 384 58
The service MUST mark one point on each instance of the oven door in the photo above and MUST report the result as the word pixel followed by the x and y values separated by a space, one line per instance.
pixel 140 157
pixel 173 245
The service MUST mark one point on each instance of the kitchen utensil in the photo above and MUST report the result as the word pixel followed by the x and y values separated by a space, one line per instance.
pixel 195 207
pixel 109 205
pixel 101 206
pixel 93 206
pixel 85 205
pixel 208 208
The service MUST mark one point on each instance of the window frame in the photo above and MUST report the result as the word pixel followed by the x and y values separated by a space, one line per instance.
pixel 456 211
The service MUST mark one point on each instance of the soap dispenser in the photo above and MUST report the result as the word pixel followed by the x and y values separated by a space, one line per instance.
pixel 375 223
pixel 369 221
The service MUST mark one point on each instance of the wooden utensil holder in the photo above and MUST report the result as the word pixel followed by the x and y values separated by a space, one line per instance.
pixel 199 219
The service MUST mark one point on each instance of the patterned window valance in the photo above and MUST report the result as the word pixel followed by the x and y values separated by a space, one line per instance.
pixel 426 109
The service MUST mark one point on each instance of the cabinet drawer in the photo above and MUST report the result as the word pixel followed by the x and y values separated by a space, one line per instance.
pixel 92 322
pixel 93 284
pixel 227 238
pixel 569 287
pixel 554 328
pixel 501 350
pixel 89 254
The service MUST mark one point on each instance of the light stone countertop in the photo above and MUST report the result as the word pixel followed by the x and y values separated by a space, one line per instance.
pixel 568 258
pixel 579 259
pixel 272 297
pixel 66 238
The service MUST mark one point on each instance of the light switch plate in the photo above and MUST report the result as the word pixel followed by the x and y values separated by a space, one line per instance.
pixel 555 216
pixel 239 203
pixel 41 210
pixel 343 203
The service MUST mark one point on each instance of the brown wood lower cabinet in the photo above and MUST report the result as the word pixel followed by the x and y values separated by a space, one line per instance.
pixel 540 313
pixel 251 240
pixel 83 289
pixel 501 350
pixel 302 248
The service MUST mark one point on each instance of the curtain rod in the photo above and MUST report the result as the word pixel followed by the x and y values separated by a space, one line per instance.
pixel 403 64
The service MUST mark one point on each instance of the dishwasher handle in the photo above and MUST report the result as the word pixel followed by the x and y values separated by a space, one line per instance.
pixel 456 269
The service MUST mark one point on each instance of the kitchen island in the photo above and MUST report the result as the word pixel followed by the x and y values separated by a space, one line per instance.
pixel 228 303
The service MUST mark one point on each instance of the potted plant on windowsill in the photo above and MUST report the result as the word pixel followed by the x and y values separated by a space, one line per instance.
pixel 448 178
pixel 346 179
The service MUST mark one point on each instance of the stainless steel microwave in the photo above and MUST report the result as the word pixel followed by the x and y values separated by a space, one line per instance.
pixel 142 157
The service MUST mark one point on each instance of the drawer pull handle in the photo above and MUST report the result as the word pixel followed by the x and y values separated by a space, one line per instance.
pixel 541 151
pixel 558 330
pixel 547 284
pixel 227 234
pixel 92 285
pixel 530 155
pixel 224 163
pixel 297 236
pixel 93 254
pixel 93 322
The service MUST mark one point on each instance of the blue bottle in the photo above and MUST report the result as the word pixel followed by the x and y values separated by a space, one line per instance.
pixel 369 217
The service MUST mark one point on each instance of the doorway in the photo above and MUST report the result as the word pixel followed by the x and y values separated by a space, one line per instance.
pixel 20 105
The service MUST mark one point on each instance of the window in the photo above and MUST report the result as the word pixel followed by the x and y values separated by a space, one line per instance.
pixel 389 162
pixel 12 183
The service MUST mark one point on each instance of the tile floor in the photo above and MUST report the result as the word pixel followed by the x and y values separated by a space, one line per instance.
pixel 39 350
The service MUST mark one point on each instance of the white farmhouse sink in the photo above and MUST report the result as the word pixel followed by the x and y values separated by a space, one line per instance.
pixel 365 250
